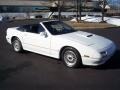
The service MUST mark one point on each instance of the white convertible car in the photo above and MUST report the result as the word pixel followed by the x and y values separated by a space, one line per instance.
pixel 56 39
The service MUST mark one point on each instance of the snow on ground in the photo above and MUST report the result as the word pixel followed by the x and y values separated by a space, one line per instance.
pixel 109 20
pixel 114 21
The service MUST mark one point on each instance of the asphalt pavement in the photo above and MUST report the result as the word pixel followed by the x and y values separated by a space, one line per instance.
pixel 30 71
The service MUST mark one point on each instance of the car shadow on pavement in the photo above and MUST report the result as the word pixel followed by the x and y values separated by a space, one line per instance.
pixel 113 63
pixel 8 72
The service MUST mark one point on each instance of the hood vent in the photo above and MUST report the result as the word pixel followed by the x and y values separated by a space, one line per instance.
pixel 89 35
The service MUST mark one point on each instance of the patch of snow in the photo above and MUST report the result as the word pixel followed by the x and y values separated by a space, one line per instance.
pixel 74 20
pixel 114 21
pixel 109 20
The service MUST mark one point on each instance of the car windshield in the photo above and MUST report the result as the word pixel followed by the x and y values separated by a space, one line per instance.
pixel 58 28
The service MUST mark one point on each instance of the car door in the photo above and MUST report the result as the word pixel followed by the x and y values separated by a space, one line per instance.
pixel 36 40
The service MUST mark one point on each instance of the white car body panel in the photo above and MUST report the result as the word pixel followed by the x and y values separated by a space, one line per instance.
pixel 11 32
pixel 36 43
pixel 87 44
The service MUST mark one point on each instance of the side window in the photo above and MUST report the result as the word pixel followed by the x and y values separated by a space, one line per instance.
pixel 26 28
pixel 31 28
pixel 34 28
pixel 21 28
pixel 40 28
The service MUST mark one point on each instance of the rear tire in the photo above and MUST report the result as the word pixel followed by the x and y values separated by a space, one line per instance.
pixel 71 57
pixel 17 46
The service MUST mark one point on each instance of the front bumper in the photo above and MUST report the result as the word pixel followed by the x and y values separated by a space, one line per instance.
pixel 8 39
pixel 95 61
pixel 99 61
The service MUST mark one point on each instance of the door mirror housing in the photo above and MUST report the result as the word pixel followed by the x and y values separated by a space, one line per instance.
pixel 43 34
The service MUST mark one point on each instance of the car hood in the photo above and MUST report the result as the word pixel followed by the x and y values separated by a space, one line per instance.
pixel 88 39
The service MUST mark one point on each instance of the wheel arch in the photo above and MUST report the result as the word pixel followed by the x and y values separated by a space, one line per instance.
pixel 66 47
pixel 13 38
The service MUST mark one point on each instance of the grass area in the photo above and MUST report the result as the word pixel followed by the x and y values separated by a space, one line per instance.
pixel 88 25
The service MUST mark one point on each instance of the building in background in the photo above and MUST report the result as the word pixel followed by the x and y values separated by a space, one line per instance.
pixel 27 8
pixel 22 8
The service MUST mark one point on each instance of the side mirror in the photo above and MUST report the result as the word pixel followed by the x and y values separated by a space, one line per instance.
pixel 44 34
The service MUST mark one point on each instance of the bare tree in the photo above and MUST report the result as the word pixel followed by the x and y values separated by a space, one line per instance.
pixel 59 4
pixel 79 9
pixel 77 6
pixel 103 4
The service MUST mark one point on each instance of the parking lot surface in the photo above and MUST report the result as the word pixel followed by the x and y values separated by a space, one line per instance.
pixel 30 71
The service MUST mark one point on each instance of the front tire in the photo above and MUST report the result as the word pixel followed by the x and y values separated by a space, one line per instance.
pixel 71 57
pixel 17 46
